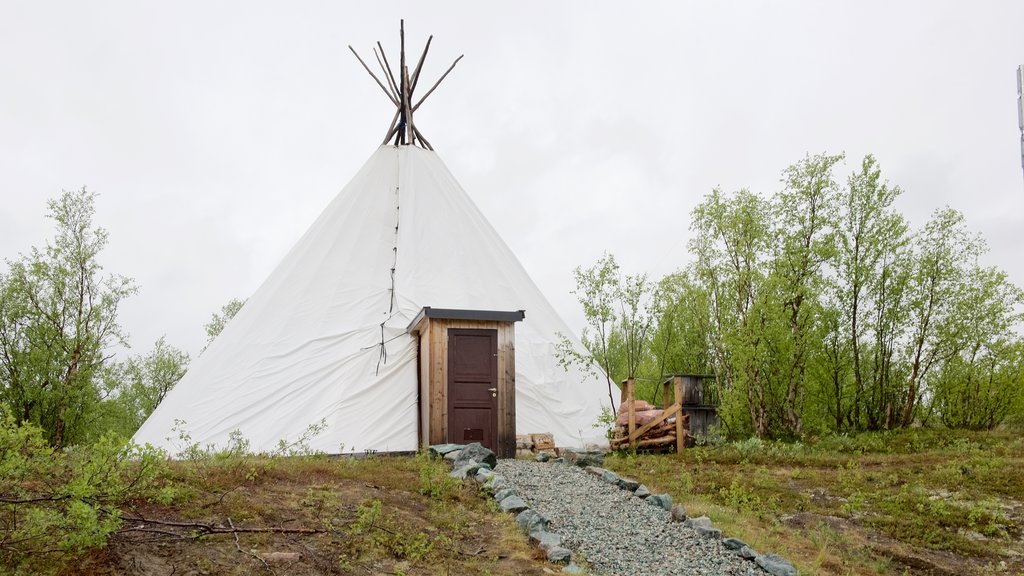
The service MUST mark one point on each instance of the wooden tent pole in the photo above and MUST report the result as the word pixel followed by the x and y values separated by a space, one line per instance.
pixel 379 83
pixel 419 65
pixel 382 60
pixel 434 87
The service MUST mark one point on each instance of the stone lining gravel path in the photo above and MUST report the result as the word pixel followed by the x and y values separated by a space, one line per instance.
pixel 617 532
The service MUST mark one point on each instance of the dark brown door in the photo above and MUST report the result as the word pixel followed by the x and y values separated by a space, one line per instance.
pixel 473 386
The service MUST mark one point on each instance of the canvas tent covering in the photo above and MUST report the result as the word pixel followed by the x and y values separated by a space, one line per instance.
pixel 307 346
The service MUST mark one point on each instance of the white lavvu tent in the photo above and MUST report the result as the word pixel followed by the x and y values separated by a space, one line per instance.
pixel 306 347
pixel 324 340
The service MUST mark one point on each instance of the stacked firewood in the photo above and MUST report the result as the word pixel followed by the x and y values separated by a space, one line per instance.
pixel 655 429
pixel 536 444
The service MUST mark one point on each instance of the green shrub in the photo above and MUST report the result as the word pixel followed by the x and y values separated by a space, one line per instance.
pixel 56 505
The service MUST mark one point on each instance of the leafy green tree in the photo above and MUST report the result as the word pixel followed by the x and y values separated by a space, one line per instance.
pixel 805 240
pixel 219 320
pixel 143 381
pixel 980 386
pixel 732 243
pixel 870 275
pixel 619 322
pixel 58 323
pixel 680 336
pixel 938 285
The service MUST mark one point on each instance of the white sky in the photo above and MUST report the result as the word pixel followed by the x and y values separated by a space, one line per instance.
pixel 215 132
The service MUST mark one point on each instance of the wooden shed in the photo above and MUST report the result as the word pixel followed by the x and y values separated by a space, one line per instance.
pixel 467 377
pixel 700 402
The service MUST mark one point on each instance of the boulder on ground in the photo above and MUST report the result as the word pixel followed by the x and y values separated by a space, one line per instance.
pixel 504 493
pixel 466 468
pixel 661 501
pixel 559 555
pixel 709 533
pixel 513 504
pixel 545 540
pixel 583 458
pixel 530 520
pixel 775 565
pixel 439 450
pixel 678 513
pixel 610 477
pixel 477 452
pixel 733 543
pixel 642 491
pixel 698 522
pixel 542 457
pixel 747 553
pixel 628 484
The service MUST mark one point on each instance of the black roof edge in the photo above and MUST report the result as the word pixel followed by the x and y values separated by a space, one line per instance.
pixel 459 314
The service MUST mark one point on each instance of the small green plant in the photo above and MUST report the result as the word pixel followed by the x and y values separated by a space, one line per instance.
pixel 434 479
pixel 749 448
pixel 300 446
pixel 739 497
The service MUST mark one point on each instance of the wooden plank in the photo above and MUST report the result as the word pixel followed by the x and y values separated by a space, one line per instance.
pixel 630 387
pixel 664 416
pixel 424 382
pixel 680 431
pixel 506 389
pixel 438 382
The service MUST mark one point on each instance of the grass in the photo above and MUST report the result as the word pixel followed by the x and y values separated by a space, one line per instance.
pixel 918 501
pixel 374 515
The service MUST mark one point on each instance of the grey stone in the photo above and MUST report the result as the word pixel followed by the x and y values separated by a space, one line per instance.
pixel 513 504
pixel 775 565
pixel 678 513
pixel 733 543
pixel 595 471
pixel 504 493
pixel 583 458
pixel 496 483
pixel 483 475
pixel 610 477
pixel 661 500
pixel 572 569
pixel 559 555
pixel 709 533
pixel 477 453
pixel 464 469
pixel 545 540
pixel 628 484
pixel 453 456
pixel 698 522
pixel 559 460
pixel 747 553
pixel 530 520
pixel 542 457
pixel 439 450
pixel 642 491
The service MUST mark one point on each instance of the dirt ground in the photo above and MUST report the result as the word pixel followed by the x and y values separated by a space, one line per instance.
pixel 316 518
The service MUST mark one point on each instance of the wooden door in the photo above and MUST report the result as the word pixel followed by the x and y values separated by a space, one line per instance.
pixel 473 386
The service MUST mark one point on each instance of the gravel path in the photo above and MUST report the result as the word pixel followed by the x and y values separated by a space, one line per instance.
pixel 617 533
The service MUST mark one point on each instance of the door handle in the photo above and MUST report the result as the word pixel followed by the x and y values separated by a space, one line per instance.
pixel 493 391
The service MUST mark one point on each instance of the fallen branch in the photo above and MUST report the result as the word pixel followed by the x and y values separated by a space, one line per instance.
pixel 204 528
pixel 239 547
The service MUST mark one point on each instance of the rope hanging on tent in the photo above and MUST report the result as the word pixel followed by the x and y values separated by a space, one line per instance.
pixel 383 358
pixel 400 91
pixel 404 132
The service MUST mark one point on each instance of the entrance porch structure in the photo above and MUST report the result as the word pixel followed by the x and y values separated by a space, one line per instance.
pixel 467 377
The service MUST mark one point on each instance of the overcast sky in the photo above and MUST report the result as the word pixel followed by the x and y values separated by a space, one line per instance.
pixel 216 132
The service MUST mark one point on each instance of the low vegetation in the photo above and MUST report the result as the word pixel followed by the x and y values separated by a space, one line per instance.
pixel 916 501
pixel 115 509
